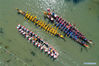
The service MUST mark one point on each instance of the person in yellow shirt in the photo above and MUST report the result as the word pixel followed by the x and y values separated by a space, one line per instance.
pixel 46 27
pixel 34 18
pixel 42 24
pixel 31 18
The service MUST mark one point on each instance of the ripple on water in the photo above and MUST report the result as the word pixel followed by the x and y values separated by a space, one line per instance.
pixel 43 4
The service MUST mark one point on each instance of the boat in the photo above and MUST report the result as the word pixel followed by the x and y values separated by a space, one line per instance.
pixel 37 41
pixel 40 23
pixel 68 29
pixel 63 25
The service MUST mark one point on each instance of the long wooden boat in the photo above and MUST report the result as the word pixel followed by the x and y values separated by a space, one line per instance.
pixel 68 29
pixel 37 41
pixel 63 25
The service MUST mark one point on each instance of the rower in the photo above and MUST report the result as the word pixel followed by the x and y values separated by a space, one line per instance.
pixel 34 18
pixel 45 49
pixel 30 33
pixel 62 28
pixel 49 17
pixel 35 35
pixel 24 29
pixel 33 41
pixel 46 44
pixel 41 41
pixel 65 28
pixel 30 39
pixel 28 16
pixel 27 36
pixel 54 57
pixel 53 14
pixel 31 18
pixel 24 33
pixel 52 19
pixel 45 13
pixel 49 13
pixel 27 31
pixel 61 25
pixel 39 45
pixel 38 38
pixel 46 27
pixel 57 24
pixel 21 31
pixel 68 33
pixel 48 9
pixel 53 31
pixel 57 19
pixel 49 52
pixel 19 26
pixel 52 54
pixel 42 47
pixel 36 44
pixel 39 23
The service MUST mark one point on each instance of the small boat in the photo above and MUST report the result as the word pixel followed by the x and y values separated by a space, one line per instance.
pixel 37 41
pixel 41 24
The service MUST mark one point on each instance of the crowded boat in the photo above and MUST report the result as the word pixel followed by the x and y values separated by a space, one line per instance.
pixel 37 41
pixel 66 27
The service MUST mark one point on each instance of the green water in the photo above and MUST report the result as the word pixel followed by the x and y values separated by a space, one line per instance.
pixel 84 14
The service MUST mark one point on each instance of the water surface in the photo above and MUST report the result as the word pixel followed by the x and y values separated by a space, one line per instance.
pixel 16 51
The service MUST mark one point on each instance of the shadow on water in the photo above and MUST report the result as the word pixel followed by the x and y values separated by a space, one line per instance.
pixel 83 48
pixel 1 30
pixel 8 60
pixel 9 40
pixel 33 53
pixel 74 1
pixel 6 47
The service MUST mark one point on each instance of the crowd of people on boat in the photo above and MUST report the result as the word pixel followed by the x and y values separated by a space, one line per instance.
pixel 37 41
pixel 68 29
